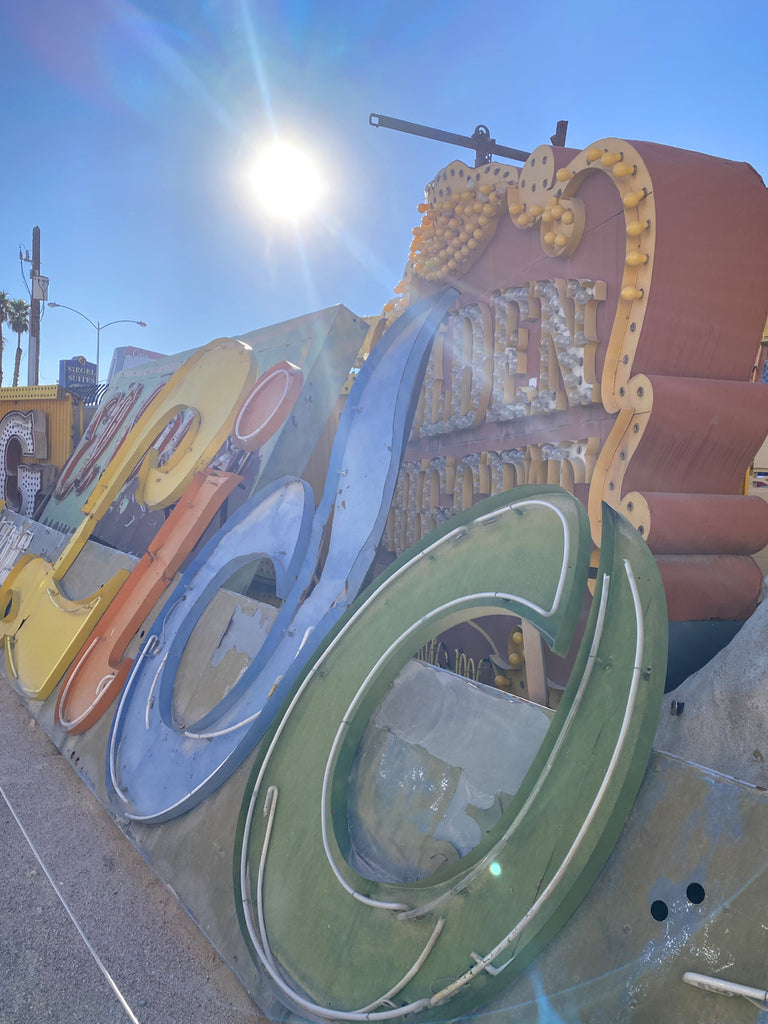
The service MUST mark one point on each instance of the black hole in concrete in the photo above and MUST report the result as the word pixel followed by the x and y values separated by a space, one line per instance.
pixel 659 910
pixel 695 893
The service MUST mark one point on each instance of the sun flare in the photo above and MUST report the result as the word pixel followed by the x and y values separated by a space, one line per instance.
pixel 287 181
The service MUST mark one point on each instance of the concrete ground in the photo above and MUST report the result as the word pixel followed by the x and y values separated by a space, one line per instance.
pixel 88 932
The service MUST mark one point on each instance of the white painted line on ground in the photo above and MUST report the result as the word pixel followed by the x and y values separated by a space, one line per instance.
pixel 121 999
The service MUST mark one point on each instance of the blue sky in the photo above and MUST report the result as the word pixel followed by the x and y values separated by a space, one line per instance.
pixel 126 128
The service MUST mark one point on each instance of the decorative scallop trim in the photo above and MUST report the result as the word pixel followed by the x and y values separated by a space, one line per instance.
pixel 462 208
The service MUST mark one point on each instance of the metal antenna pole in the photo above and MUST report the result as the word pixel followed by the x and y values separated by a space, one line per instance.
pixel 484 146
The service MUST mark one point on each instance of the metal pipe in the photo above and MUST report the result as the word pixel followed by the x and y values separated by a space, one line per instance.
pixel 480 141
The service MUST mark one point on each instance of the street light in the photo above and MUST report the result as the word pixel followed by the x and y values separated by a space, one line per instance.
pixel 99 326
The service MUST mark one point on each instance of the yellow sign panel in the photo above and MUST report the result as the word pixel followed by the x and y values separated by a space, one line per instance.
pixel 42 628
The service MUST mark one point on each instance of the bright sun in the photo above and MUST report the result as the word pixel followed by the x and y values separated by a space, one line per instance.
pixel 287 181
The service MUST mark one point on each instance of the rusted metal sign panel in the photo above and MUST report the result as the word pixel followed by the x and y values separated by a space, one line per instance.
pixel 160 767
pixel 39 428
pixel 101 667
pixel 322 345
pixel 20 535
pixel 439 946
pixel 126 398
pixel 585 346
pixel 43 628
pixel 592 346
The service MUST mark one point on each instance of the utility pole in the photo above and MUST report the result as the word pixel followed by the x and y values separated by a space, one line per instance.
pixel 38 292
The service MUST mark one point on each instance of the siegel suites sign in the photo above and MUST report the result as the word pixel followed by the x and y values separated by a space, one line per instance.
pixel 77 371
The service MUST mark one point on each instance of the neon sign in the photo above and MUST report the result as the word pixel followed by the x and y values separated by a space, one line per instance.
pixel 585 347
pixel 279 523
pixel 42 628
pixel 593 348
pixel 340 945
pixel 23 435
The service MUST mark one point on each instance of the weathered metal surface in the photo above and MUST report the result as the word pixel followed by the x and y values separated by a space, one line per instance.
pixel 724 709
pixel 212 385
pixel 710 586
pixel 63 416
pixel 340 945
pixel 99 671
pixel 725 524
pixel 39 427
pixel 20 535
pixel 101 667
pixel 693 849
pixel 324 346
pixel 654 318
pixel 24 434
pixel 158 767
pixel 121 407
pixel 266 408
pixel 612 963
pixel 591 347
pixel 42 628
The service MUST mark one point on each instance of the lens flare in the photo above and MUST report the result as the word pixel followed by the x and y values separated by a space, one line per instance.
pixel 287 181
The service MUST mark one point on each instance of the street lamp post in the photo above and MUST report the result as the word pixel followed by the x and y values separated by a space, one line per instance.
pixel 99 327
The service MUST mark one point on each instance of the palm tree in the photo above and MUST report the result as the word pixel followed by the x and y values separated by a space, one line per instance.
pixel 5 310
pixel 18 321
